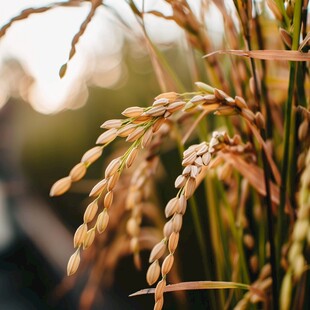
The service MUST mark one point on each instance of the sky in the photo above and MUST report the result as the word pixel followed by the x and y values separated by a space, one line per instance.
pixel 42 43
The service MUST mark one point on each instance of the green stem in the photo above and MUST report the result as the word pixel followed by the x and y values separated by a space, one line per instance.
pixel 235 233
pixel 288 132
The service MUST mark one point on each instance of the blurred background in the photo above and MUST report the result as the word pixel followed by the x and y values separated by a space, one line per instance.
pixel 47 123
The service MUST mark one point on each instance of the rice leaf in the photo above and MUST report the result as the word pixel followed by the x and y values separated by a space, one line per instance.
pixel 266 54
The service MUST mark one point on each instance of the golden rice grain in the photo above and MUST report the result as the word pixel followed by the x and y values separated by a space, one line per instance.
pixel 132 156
pixel 134 244
pixel 180 181
pixel 171 207
pixel 168 229
pixel 173 242
pixel 176 106
pixel 136 134
pixel 60 187
pixel 90 212
pixel 153 273
pixel 158 251
pixel 133 112
pixel 147 138
pixel 190 187
pixel 171 96
pixel 112 123
pixel 98 188
pixel 89 239
pixel 92 155
pixel 133 227
pixel 108 199
pixel 167 264
pixel 112 181
pixel 112 167
pixel 102 221
pixel 73 263
pixel 182 204
pixel 155 111
pixel 78 172
pixel 160 102
pixel 158 124
pixel 177 222
pixel 80 235
pixel 159 304
pixel 159 290
pixel 107 136
pixel 126 130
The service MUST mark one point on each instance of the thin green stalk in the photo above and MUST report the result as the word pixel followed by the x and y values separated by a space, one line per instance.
pixel 270 232
pixel 235 233
pixel 215 234
pixel 288 133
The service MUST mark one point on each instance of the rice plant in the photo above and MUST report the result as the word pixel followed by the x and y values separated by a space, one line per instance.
pixel 241 130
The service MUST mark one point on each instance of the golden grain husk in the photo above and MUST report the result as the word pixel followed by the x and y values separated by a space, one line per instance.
pixel 80 235
pixel 90 212
pixel 134 244
pixel 131 157
pixel 112 167
pixel 188 160
pixel 167 265
pixel 177 221
pixel 219 94
pixel 190 187
pixel 136 134
pixel 89 239
pixel 73 263
pixel 112 123
pixel 159 290
pixel 102 221
pixel 170 96
pixel 126 130
pixel 182 204
pixel 92 155
pixel 61 186
pixel 112 181
pixel 158 124
pixel 260 120
pixel 78 172
pixel 168 229
pixel 159 304
pixel 147 138
pixel 248 115
pixel 303 130
pixel 158 251
pixel 132 227
pixel 153 273
pixel 107 136
pixel 171 207
pixel 173 242
pixel 180 181
pixel 206 158
pixel 240 103
pixel 176 106
pixel 108 199
pixel 133 112
pixel 98 188
pixel 160 102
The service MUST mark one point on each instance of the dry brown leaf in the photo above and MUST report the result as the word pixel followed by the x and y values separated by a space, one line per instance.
pixel 196 285
pixel 266 54
pixel 253 174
